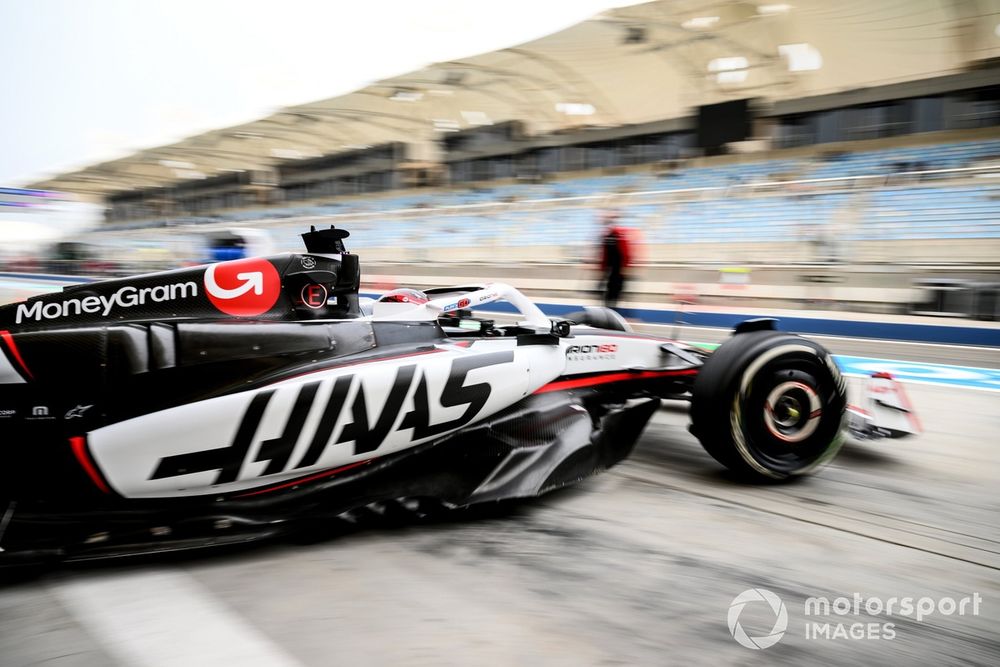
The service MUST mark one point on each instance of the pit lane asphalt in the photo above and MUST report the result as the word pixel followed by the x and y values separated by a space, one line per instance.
pixel 636 566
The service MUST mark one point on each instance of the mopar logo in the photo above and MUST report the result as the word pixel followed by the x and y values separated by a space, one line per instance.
pixel 40 412
pixel 125 297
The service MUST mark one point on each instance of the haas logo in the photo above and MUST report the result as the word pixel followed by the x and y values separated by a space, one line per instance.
pixel 243 287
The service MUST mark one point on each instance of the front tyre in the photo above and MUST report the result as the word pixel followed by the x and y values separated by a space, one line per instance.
pixel 769 405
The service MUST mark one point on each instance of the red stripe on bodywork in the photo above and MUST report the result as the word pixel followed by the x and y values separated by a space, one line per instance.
pixel 12 346
pixel 79 445
pixel 303 480
pixel 612 377
pixel 910 412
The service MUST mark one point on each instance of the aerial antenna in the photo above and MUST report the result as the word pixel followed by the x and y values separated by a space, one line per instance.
pixel 325 241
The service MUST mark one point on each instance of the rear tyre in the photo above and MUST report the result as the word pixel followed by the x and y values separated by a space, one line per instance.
pixel 769 405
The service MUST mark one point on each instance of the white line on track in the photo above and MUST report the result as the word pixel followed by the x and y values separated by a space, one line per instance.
pixel 891 341
pixel 942 385
pixel 926 364
pixel 165 619
pixel 855 339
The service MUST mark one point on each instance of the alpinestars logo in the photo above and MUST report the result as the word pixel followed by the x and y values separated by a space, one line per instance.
pixel 105 304
pixel 244 287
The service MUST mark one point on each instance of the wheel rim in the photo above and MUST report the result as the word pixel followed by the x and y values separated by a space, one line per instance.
pixel 792 411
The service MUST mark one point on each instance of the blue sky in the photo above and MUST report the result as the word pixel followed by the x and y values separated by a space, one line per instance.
pixel 91 80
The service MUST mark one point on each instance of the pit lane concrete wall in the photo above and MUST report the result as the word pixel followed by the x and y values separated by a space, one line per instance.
pixel 866 288
pixel 790 251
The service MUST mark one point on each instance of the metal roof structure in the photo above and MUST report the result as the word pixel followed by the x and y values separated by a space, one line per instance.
pixel 636 64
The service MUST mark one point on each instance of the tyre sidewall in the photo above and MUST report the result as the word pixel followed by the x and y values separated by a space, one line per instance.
pixel 728 403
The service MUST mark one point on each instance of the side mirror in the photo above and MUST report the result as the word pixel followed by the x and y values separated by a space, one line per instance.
pixel 561 328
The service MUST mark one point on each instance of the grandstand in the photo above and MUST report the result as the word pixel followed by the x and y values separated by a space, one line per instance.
pixel 858 197
pixel 747 133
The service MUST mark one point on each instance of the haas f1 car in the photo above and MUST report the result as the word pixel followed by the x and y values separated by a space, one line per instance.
pixel 235 401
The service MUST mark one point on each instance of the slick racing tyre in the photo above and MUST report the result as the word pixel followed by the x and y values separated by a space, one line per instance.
pixel 769 405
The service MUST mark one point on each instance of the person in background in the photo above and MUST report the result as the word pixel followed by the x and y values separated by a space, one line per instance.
pixel 616 257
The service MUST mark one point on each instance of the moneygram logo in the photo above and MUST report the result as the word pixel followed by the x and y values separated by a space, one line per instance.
pixel 244 287
pixel 104 304
pixel 780 618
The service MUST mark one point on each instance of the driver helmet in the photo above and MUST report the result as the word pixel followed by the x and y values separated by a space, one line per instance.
pixel 398 301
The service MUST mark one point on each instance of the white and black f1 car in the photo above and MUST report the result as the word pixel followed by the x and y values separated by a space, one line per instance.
pixel 231 402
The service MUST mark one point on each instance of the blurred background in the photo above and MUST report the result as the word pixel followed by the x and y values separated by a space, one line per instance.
pixel 767 154
pixel 833 161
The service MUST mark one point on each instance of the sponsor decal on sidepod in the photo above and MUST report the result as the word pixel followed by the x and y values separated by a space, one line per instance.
pixel 320 423
pixel 125 297
pixel 242 288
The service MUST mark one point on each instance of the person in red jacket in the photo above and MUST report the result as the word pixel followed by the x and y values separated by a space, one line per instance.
pixel 616 257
